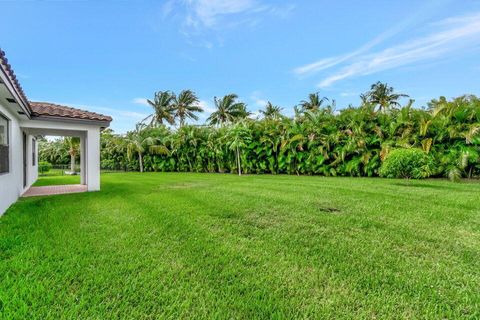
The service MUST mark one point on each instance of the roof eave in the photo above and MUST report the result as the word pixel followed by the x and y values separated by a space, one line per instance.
pixel 5 79
pixel 99 123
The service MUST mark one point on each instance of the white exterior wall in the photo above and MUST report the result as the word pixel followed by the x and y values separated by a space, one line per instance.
pixel 11 183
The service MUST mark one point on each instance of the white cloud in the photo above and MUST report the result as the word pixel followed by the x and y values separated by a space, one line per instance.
pixel 207 12
pixel 261 102
pixel 202 15
pixel 448 36
pixel 282 11
pixel 254 114
pixel 167 8
pixel 142 101
pixel 257 99
pixel 325 63
pixel 347 94
pixel 205 105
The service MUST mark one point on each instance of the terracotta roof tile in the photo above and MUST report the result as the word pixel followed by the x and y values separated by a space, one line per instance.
pixel 56 110
pixel 11 75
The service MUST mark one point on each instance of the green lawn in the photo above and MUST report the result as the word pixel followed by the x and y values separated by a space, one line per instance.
pixel 170 245
pixel 55 177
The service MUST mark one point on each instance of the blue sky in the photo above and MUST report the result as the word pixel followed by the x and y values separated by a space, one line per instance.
pixel 109 56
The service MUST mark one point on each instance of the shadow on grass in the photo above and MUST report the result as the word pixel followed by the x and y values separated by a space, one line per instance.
pixel 411 184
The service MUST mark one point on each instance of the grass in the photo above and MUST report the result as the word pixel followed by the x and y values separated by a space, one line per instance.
pixel 56 177
pixel 172 245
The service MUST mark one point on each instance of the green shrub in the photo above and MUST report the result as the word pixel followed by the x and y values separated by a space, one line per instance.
pixel 44 166
pixel 108 164
pixel 407 163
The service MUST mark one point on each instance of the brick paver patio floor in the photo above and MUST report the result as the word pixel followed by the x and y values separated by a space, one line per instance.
pixel 51 190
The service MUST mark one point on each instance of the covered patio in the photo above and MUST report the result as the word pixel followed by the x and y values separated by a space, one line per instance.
pixel 58 120
pixel 87 178
pixel 22 122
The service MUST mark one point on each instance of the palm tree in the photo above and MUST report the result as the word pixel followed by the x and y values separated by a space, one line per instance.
pixel 364 98
pixel 271 140
pixel 140 140
pixel 163 110
pixel 185 106
pixel 313 103
pixel 238 138
pixel 228 109
pixel 382 95
pixel 72 145
pixel 113 148
pixel 187 144
pixel 271 111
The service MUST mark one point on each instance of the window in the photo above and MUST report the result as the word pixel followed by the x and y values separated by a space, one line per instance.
pixel 34 151
pixel 4 147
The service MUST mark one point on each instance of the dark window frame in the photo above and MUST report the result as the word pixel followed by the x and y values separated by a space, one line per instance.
pixel 34 152
pixel 7 145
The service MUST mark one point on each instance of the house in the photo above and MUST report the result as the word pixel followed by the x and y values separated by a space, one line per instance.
pixel 22 121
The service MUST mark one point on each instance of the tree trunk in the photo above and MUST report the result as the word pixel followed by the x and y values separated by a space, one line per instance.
pixel 140 161
pixel 277 166
pixel 238 162
pixel 72 163
pixel 189 164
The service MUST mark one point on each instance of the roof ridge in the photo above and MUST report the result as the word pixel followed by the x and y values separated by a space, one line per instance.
pixel 63 106
pixel 58 110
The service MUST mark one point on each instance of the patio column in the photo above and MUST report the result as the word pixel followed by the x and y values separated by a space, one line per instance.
pixel 83 167
pixel 93 159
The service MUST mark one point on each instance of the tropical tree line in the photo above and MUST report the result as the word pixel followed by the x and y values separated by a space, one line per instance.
pixel 317 140
pixel 60 151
